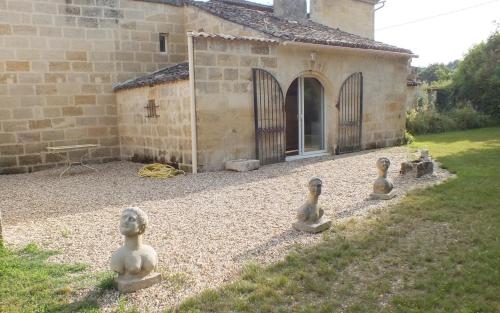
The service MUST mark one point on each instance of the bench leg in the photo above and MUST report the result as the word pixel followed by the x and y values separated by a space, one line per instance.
pixel 68 166
pixel 85 165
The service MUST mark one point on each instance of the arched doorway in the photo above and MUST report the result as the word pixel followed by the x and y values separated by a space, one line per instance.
pixel 305 117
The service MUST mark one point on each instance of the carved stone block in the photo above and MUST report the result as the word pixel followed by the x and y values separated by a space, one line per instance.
pixel 242 165
pixel 423 168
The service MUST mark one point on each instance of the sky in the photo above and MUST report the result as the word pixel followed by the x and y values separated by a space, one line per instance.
pixel 435 40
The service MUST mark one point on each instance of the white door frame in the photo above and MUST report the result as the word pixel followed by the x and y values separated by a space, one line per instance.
pixel 302 153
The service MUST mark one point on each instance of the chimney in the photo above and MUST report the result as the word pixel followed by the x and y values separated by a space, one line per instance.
pixel 353 16
pixel 291 9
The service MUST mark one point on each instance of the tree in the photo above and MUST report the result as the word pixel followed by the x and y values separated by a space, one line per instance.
pixel 477 78
pixel 437 72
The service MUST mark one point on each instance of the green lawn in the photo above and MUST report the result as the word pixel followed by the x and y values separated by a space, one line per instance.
pixel 436 251
pixel 30 284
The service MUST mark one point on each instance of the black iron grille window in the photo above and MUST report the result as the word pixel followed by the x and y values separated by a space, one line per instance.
pixel 151 109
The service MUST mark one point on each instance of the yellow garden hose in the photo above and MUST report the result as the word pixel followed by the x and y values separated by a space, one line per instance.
pixel 158 170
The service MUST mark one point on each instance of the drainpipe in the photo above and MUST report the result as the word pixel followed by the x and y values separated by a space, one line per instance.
pixel 194 137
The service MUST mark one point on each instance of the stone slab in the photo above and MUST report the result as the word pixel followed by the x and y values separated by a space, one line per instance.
pixel 407 167
pixel 131 285
pixel 242 165
pixel 424 168
pixel 322 225
pixel 383 196
pixel 417 168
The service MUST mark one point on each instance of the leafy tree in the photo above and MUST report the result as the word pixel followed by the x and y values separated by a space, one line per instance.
pixel 477 78
pixel 437 72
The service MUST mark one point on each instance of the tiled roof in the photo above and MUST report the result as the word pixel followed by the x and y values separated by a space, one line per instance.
pixel 301 31
pixel 231 37
pixel 168 74
pixel 249 4
pixel 172 2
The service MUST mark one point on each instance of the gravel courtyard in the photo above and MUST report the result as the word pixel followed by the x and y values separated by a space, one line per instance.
pixel 205 227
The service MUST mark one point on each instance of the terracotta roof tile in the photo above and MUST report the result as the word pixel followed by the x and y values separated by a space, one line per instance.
pixel 302 31
pixel 165 75
pixel 231 37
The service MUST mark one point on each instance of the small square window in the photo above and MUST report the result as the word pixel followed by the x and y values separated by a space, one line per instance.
pixel 151 109
pixel 163 42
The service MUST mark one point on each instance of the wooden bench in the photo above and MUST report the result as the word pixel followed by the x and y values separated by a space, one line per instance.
pixel 70 148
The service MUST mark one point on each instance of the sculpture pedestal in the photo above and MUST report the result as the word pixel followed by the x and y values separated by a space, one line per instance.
pixel 321 225
pixel 126 285
pixel 383 196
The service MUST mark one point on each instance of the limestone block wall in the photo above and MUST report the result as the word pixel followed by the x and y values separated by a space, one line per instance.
pixel 224 97
pixel 413 93
pixel 58 61
pixel 163 138
pixel 353 16
pixel 384 95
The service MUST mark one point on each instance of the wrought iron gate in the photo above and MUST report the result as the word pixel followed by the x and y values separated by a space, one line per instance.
pixel 350 109
pixel 270 120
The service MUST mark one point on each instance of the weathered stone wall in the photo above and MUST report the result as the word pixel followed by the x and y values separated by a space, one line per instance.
pixel 353 16
pixel 224 97
pixel 384 90
pixel 58 61
pixel 163 138
pixel 291 9
pixel 224 93
pixel 413 93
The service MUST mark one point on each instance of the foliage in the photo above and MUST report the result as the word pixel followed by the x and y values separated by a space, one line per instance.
pixel 437 72
pixel 474 80
pixel 477 79
pixel 466 117
pixel 431 121
pixel 435 251
pixel 443 101
pixel 408 138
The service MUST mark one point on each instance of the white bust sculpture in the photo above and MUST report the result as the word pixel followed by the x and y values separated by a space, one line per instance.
pixel 134 262
pixel 310 214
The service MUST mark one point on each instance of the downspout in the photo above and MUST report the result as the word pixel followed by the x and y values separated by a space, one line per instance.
pixel 194 135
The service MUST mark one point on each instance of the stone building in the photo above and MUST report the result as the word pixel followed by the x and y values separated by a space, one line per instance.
pixel 196 83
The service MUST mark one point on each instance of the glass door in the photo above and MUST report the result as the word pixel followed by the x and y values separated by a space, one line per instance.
pixel 313 115
pixel 305 117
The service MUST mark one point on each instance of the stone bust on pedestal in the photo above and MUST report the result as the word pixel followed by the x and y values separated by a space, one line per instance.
pixel 134 262
pixel 382 187
pixel 310 215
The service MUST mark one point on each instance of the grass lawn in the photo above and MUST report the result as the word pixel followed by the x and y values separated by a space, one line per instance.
pixel 30 284
pixel 436 251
